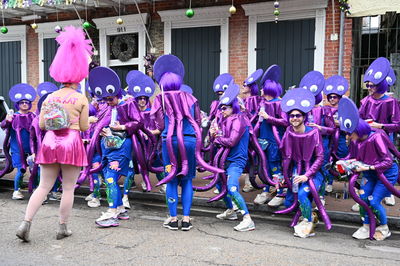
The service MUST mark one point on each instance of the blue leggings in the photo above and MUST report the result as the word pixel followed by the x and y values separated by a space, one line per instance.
pixel 343 149
pixel 273 162
pixel 373 191
pixel 325 170
pixel 114 170
pixel 96 185
pixel 233 173
pixel 304 197
pixel 18 179
pixel 129 179
pixel 172 195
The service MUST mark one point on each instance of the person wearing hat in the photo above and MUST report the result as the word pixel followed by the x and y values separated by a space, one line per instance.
pixel 303 157
pixel 379 171
pixel 220 85
pixel 18 125
pixel 272 122
pixel 64 114
pixel 378 109
pixel 235 128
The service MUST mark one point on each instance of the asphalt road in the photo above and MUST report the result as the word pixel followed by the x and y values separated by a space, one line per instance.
pixel 143 241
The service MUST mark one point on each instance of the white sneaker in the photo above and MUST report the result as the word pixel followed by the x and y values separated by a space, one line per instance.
pixel 125 202
pixel 216 191
pixel 261 198
pixel 247 188
pixel 144 187
pixel 89 197
pixel 166 221
pixel 304 229
pixel 276 201
pixel 389 201
pixel 17 195
pixel 246 225
pixel 362 232
pixel 163 189
pixel 94 203
pixel 382 232
pixel 229 214
pixel 107 215
pixel 355 207
pixel 329 188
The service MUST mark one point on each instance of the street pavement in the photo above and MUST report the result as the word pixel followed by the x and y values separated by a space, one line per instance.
pixel 143 241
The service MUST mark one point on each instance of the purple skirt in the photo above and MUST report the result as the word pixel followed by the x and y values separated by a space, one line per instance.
pixel 63 146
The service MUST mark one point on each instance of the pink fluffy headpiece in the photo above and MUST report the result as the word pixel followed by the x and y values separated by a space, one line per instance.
pixel 71 63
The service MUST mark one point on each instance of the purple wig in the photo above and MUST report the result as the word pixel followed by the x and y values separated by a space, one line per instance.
pixel 253 89
pixel 92 110
pixel 362 129
pixel 272 88
pixel 382 87
pixel 171 82
pixel 235 106
pixel 16 105
pixel 318 98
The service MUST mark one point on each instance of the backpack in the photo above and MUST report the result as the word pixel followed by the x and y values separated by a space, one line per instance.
pixel 55 116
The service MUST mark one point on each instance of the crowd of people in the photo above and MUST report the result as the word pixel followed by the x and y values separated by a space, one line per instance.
pixel 289 145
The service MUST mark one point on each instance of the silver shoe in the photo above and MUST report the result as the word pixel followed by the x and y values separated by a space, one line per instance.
pixel 63 232
pixel 23 231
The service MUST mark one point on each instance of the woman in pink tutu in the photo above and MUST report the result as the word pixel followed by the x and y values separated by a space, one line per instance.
pixel 64 114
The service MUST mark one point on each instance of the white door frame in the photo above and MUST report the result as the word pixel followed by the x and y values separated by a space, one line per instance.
pixel 132 24
pixel 204 17
pixel 46 31
pixel 18 33
pixel 290 10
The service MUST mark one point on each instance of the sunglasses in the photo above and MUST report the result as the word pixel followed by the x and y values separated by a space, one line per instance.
pixel 142 98
pixel 332 97
pixel 370 86
pixel 108 99
pixel 224 108
pixel 295 115
pixel 24 102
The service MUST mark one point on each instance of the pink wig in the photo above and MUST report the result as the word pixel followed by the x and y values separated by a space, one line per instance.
pixel 71 63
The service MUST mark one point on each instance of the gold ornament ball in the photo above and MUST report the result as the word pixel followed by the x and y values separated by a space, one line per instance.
pixel 232 10
pixel 120 21
pixel 34 26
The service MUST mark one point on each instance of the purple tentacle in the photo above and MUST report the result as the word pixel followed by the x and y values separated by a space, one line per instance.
pixel 388 185
pixel 252 175
pixel 296 218
pixel 6 148
pixel 223 177
pixel 21 150
pixel 262 173
pixel 208 177
pixel 292 207
pixel 32 177
pixel 321 208
pixel 142 162
pixel 215 177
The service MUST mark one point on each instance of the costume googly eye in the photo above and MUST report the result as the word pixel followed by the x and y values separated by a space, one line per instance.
pixel 305 103
pixel 304 87
pixel 18 96
pixel 378 75
pixel 217 86
pixel 43 92
pixel 370 72
pixel 340 88
pixel 28 96
pixel 148 90
pixel 136 89
pixel 329 87
pixel 389 80
pixel 347 123
pixel 250 80
pixel 98 91
pixel 225 100
pixel 225 87
pixel 110 89
pixel 313 88
pixel 290 102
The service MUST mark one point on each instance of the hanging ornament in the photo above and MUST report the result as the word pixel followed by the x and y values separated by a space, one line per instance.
pixel 119 21
pixel 57 29
pixel 34 26
pixel 276 11
pixel 190 11
pixel 232 9
pixel 4 30
pixel 86 25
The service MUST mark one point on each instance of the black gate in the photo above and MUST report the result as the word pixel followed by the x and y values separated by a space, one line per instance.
pixel 199 50
pixel 10 67
pixel 289 44
pixel 374 37
pixel 49 51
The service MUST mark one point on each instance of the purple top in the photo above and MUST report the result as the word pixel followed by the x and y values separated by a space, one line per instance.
pixel 213 110
pixel 168 63
pixel 298 99
pixel 377 71
pixel 323 117
pixel 313 81
pixel 20 121
pixel 221 83
pixel 337 85
pixel 252 104
pixel 46 87
pixel 22 91
pixel 275 115
pixel 104 82
pixel 254 77
pixel 233 128
pixel 384 111
pixel 272 73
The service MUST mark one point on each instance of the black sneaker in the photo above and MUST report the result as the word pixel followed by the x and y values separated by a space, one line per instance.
pixel 172 225
pixel 186 226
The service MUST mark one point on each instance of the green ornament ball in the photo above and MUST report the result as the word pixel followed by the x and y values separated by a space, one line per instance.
pixel 277 12
pixel 86 25
pixel 190 13
pixel 4 30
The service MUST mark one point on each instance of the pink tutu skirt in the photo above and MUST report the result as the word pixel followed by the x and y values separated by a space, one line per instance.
pixel 63 146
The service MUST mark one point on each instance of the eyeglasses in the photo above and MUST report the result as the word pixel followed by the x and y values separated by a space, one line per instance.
pixel 295 115
pixel 24 102
pixel 142 98
pixel 108 99
pixel 333 97
pixel 370 86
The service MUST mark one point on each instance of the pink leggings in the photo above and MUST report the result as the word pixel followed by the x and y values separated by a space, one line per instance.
pixel 48 176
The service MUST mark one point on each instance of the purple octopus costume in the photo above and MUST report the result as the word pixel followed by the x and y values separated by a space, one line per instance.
pixel 374 149
pixel 252 102
pixel 302 155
